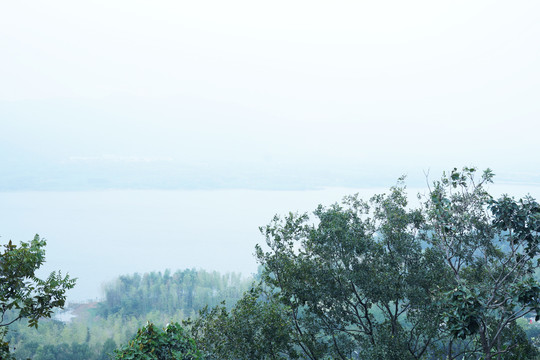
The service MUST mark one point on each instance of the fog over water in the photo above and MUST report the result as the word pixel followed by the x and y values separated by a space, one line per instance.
pixel 98 235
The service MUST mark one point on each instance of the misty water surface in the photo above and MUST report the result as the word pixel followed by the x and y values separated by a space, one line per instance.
pixel 98 235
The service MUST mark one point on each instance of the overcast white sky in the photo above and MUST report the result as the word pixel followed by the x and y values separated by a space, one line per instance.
pixel 396 85
pixel 246 94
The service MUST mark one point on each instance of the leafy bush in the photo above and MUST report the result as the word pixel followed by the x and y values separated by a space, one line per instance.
pixel 151 343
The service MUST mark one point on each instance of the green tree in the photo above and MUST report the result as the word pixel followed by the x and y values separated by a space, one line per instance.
pixel 108 349
pixel 383 280
pixel 22 294
pixel 53 352
pixel 358 283
pixel 490 248
pixel 151 343
pixel 255 328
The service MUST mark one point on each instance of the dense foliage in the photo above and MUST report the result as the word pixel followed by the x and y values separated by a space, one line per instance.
pixel 384 280
pixel 256 328
pixel 22 294
pixel 129 302
pixel 151 343
pixel 452 278
pixel 490 249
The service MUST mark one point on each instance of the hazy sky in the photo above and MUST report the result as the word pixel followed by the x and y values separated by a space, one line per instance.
pixel 245 94
pixel 395 86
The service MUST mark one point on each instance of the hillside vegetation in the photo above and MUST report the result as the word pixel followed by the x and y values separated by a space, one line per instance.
pixel 129 302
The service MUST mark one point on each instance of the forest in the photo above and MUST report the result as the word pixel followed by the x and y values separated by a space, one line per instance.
pixel 129 302
pixel 456 277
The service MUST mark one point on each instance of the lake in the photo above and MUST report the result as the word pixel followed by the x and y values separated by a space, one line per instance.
pixel 98 235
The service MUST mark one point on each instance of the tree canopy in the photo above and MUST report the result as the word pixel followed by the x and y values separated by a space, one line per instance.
pixel 381 279
pixel 151 343
pixel 22 293
pixel 187 290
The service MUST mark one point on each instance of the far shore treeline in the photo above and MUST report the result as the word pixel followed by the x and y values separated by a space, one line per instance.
pixel 129 302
